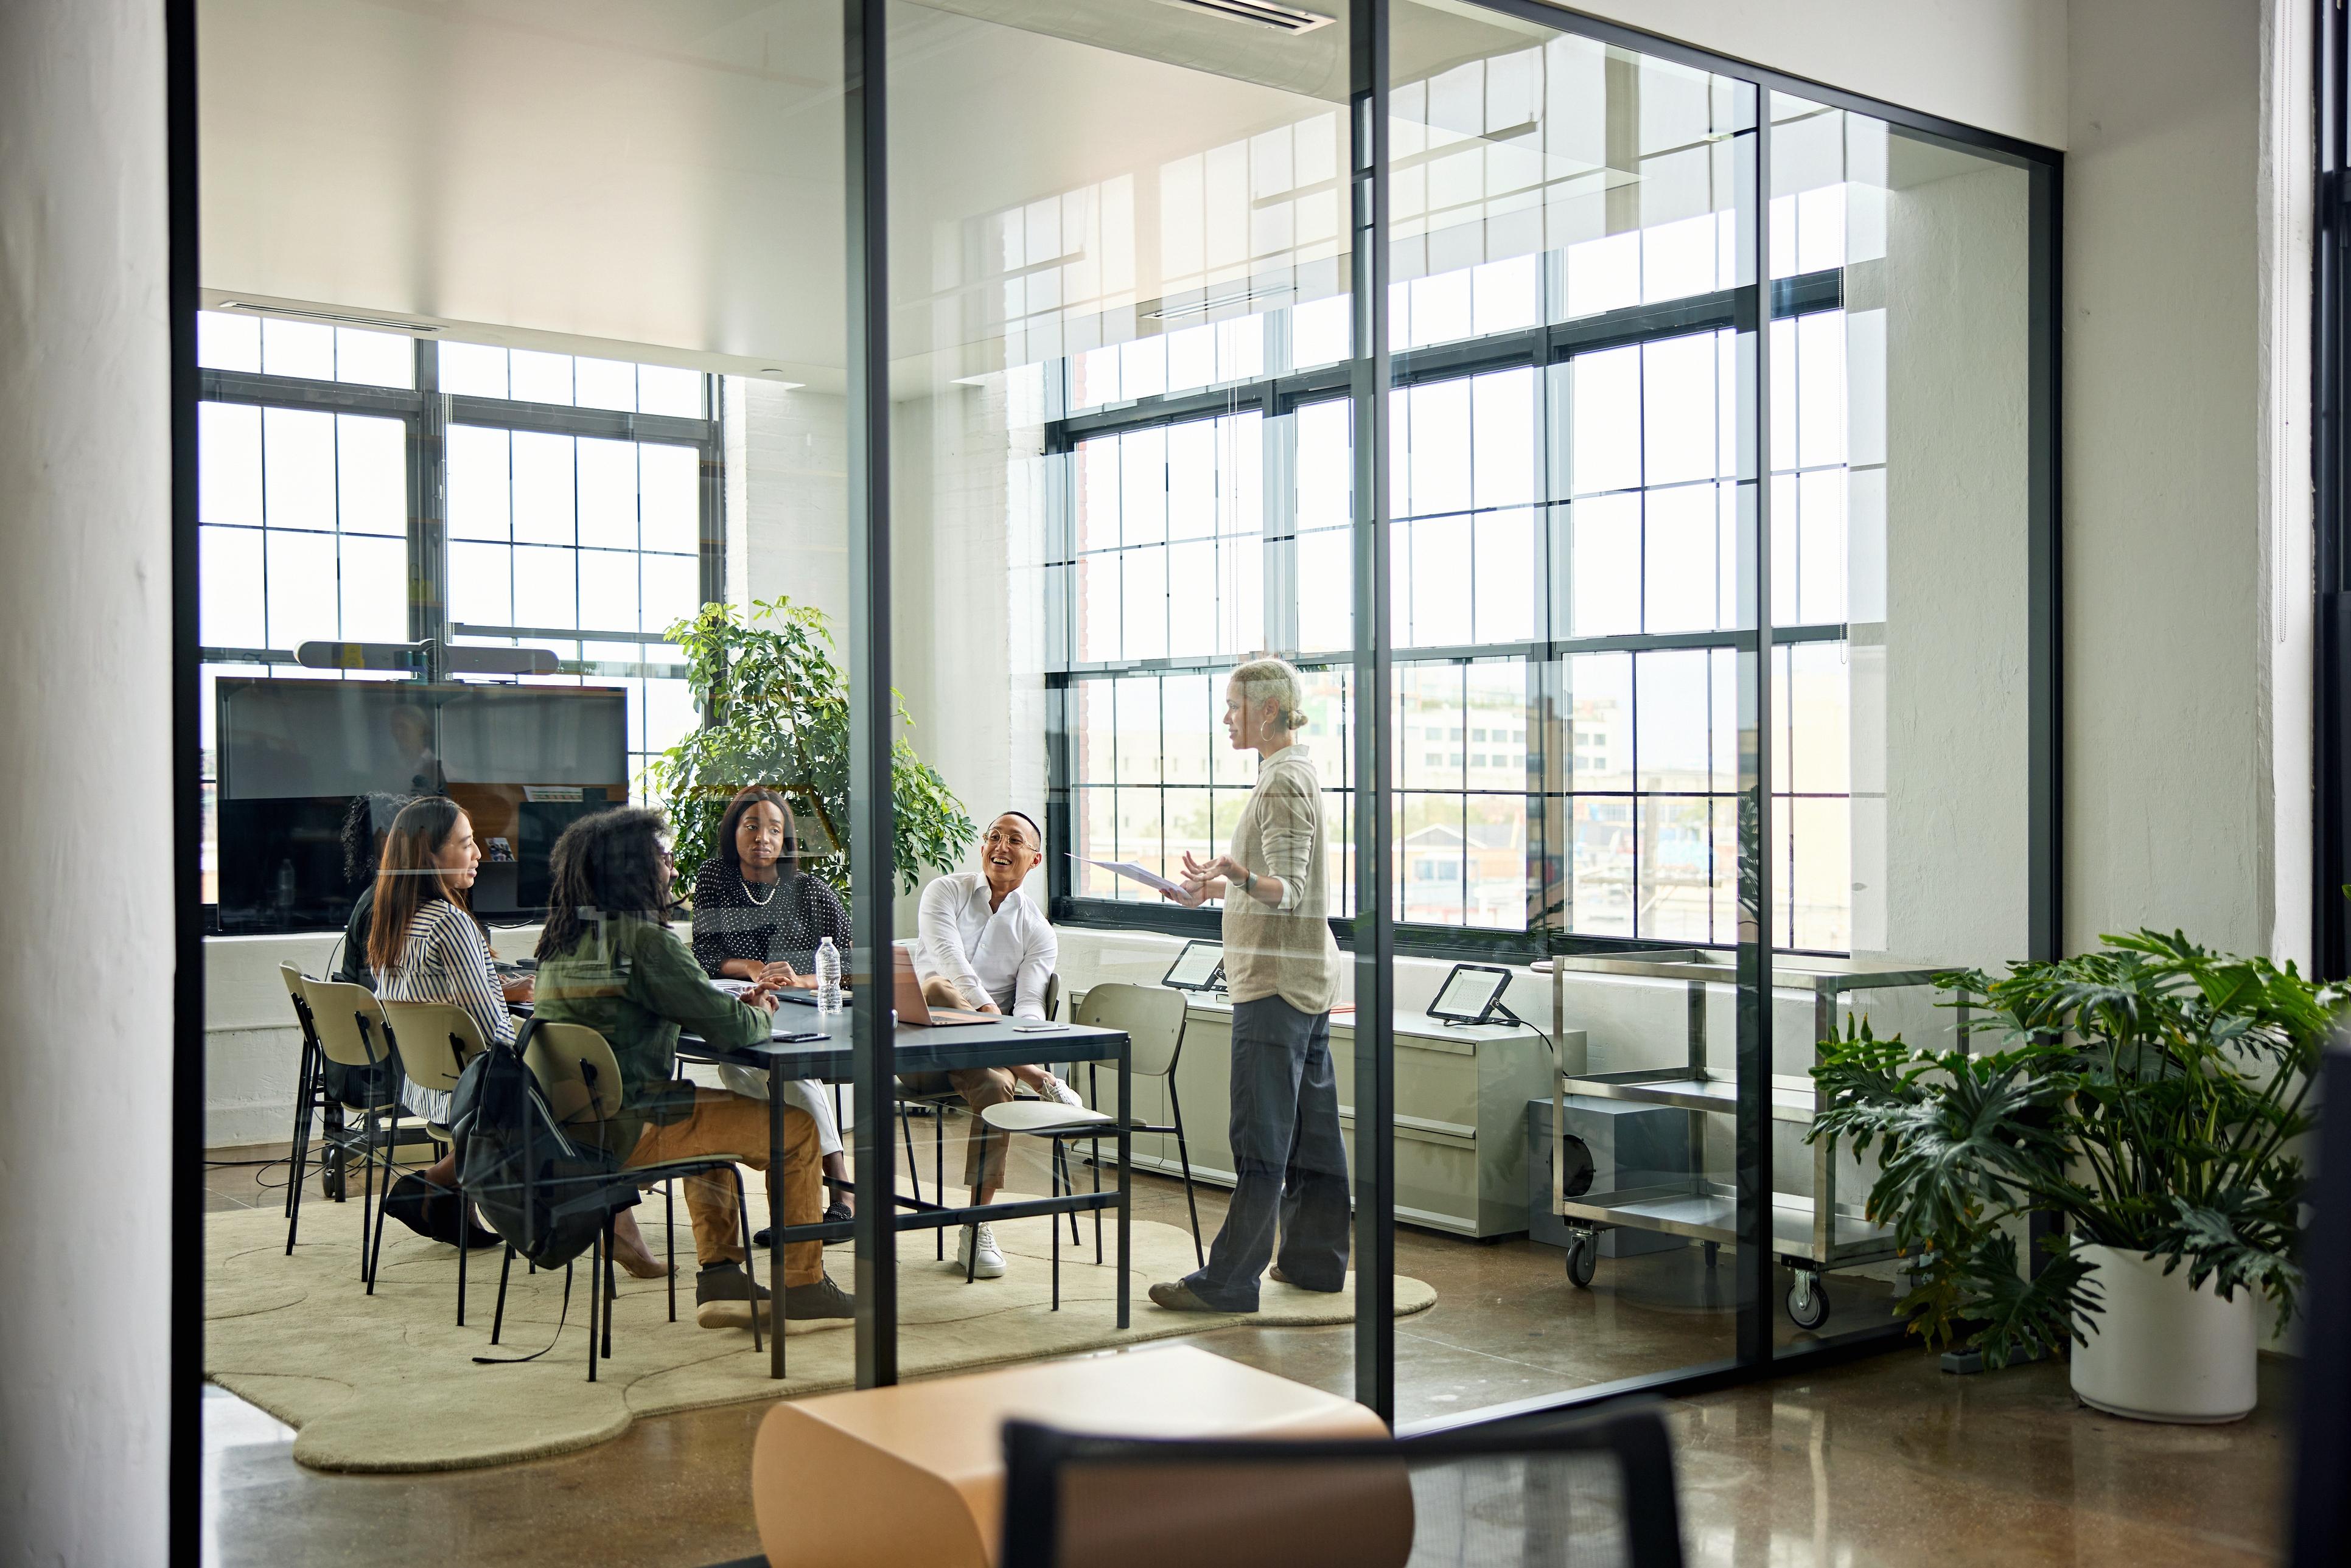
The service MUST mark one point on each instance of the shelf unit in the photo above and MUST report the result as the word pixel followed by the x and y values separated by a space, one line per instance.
pixel 1809 1234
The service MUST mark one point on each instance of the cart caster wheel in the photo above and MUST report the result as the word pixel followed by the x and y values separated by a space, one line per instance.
pixel 330 1181
pixel 1583 1257
pixel 1808 1301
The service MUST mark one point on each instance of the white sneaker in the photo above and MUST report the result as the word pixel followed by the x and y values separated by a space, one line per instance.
pixel 981 1239
pixel 1060 1093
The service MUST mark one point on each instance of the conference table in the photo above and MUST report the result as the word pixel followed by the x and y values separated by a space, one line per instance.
pixel 942 1047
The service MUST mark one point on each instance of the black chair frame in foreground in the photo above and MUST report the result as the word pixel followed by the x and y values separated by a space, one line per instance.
pixel 1037 1458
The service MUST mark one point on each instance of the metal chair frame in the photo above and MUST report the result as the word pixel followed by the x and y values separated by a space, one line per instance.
pixel 605 1100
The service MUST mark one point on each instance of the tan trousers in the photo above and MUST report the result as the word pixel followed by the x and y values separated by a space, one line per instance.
pixel 724 1124
pixel 983 1164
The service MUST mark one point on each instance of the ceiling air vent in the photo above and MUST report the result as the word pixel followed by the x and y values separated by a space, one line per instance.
pixel 380 323
pixel 1257 13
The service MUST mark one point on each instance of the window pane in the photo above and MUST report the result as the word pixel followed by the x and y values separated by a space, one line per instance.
pixel 670 479
pixel 607 590
pixel 671 589
pixel 297 468
pixel 303 592
pixel 374 579
pixel 543 511
pixel 546 588
pixel 481 584
pixel 375 358
pixel 226 342
pixel 664 390
pixel 604 383
pixel 228 473
pixel 608 492
pixel 371 470
pixel 473 370
pixel 231 592
pixel 479 488
pixel 539 378
pixel 298 349
pixel 1603 566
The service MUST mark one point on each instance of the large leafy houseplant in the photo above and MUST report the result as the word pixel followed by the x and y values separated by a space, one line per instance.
pixel 777 712
pixel 2147 1096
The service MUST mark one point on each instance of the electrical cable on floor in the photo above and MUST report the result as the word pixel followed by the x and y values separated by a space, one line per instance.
pixel 562 1318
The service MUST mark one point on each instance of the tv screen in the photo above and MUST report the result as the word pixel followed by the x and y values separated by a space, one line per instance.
pixel 524 761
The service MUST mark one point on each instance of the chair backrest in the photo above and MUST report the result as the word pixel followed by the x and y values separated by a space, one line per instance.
pixel 1598 1493
pixel 349 1022
pixel 293 978
pixel 575 1070
pixel 1053 995
pixel 1151 1016
pixel 435 1040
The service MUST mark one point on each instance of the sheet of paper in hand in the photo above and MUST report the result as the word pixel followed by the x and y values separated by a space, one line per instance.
pixel 1149 879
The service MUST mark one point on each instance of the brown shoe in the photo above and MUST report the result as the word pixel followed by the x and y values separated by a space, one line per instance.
pixel 725 1297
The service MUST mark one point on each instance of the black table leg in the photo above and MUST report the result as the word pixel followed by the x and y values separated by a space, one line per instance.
pixel 1126 1171
pixel 775 1220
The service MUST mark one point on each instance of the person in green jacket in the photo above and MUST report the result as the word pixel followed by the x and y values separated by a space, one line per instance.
pixel 608 959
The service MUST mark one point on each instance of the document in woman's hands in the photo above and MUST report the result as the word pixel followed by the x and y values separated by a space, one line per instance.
pixel 1149 879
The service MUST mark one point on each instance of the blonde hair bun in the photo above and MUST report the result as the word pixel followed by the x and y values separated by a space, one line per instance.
pixel 1277 681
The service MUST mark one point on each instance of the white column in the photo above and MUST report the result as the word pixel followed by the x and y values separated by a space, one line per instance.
pixel 87 773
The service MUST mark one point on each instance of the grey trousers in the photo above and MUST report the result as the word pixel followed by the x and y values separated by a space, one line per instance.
pixel 1288 1155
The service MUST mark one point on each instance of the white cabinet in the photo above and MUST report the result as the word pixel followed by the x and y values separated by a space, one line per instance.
pixel 1460 1123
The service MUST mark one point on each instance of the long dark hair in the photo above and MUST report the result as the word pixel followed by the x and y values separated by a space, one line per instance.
pixel 366 821
pixel 407 879
pixel 788 864
pixel 609 863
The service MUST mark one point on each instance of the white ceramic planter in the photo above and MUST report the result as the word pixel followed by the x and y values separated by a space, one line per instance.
pixel 2160 1350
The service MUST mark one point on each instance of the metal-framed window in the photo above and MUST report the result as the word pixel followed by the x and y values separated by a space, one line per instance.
pixel 367 486
pixel 1563 735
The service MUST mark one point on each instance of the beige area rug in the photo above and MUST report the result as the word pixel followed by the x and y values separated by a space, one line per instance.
pixel 388 1383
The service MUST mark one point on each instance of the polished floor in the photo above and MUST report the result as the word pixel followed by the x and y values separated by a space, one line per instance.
pixel 1883 1461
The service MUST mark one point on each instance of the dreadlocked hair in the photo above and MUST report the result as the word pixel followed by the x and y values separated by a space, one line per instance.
pixel 609 863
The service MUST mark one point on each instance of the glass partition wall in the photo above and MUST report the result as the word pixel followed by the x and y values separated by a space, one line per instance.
pixel 1697 394
pixel 1647 463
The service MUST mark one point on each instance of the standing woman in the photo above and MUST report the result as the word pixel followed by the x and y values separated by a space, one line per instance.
pixel 759 917
pixel 424 944
pixel 1281 970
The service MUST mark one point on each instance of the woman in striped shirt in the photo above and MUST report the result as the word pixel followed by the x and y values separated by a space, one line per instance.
pixel 426 945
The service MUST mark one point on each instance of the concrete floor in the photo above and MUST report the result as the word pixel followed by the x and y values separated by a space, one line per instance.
pixel 1883 1461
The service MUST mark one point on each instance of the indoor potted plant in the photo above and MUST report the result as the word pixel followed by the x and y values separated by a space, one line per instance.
pixel 2147 1096
pixel 776 712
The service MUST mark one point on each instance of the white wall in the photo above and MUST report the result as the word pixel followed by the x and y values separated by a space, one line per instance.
pixel 86 939
pixel 1997 64
pixel 2171 806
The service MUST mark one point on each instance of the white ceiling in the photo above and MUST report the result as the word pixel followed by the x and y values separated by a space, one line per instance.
pixel 661 179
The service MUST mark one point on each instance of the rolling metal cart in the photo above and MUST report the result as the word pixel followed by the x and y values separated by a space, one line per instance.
pixel 1808 1235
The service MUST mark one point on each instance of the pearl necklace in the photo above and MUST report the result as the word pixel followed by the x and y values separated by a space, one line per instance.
pixel 757 901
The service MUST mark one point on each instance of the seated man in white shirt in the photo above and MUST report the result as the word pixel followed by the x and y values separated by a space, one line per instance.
pixel 984 946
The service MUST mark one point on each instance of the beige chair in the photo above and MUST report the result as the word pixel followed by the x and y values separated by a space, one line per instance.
pixel 351 1034
pixel 434 1040
pixel 311 1105
pixel 1152 1018
pixel 581 1079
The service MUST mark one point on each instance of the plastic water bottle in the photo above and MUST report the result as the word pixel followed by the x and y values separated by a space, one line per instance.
pixel 827 977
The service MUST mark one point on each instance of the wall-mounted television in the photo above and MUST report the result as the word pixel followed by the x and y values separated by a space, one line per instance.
pixel 525 762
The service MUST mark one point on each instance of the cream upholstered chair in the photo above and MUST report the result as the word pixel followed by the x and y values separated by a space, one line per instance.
pixel 1152 1018
pixel 351 1034
pixel 434 1042
pixel 581 1079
